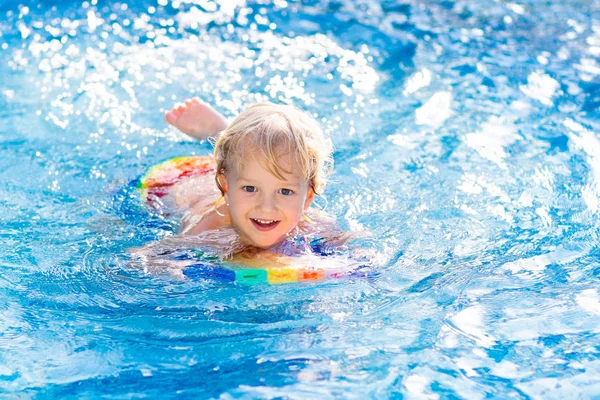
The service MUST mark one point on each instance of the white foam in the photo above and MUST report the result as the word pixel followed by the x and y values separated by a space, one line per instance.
pixel 405 141
pixel 417 81
pixel 468 364
pixel 508 370
pixel 534 266
pixel 584 385
pixel 586 141
pixel 589 300
pixel 418 387
pixel 490 141
pixel 540 87
pixel 588 66
pixel 469 184
pixel 471 322
pixel 436 110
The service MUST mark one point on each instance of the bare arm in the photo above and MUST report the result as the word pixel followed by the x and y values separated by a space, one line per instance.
pixel 174 253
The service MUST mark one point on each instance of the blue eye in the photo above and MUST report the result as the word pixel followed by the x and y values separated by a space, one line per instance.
pixel 286 192
pixel 249 189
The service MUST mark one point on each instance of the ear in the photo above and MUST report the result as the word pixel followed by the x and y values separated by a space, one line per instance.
pixel 310 196
pixel 223 182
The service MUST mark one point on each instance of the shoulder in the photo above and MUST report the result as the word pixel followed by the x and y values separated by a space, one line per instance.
pixel 325 231
pixel 201 218
pixel 318 222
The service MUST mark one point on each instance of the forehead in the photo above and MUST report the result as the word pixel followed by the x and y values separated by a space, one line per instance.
pixel 253 166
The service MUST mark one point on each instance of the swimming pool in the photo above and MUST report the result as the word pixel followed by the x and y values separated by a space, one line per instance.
pixel 467 142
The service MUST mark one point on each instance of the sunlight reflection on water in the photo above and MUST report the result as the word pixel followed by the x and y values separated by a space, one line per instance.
pixel 466 142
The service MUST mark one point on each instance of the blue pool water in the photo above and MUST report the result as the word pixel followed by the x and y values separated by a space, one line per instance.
pixel 467 142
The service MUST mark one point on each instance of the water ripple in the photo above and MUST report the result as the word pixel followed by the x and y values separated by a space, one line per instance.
pixel 466 145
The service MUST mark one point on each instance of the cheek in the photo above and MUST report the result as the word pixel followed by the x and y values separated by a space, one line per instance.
pixel 238 206
pixel 295 208
pixel 234 199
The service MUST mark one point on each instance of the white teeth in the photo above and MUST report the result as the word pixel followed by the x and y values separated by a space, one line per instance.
pixel 264 221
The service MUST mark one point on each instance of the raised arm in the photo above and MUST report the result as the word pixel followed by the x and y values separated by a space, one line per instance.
pixel 196 119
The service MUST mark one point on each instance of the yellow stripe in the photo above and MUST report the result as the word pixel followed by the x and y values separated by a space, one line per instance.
pixel 282 275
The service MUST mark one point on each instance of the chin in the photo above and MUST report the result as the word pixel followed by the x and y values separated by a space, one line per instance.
pixel 268 245
pixel 259 242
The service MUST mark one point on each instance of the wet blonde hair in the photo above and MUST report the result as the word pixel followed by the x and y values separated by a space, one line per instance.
pixel 272 133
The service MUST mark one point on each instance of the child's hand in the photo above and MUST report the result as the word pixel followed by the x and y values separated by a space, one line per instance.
pixel 145 258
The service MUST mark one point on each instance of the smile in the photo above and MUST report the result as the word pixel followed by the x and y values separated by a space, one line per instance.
pixel 264 224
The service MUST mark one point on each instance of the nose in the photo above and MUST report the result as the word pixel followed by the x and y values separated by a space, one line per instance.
pixel 267 203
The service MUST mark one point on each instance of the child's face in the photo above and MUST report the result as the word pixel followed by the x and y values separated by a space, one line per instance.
pixel 264 208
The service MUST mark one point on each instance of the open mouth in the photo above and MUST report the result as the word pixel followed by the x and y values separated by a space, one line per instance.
pixel 264 224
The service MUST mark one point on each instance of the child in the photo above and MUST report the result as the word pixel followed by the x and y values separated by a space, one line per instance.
pixel 271 161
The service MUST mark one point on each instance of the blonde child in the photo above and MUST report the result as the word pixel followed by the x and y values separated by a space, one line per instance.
pixel 271 162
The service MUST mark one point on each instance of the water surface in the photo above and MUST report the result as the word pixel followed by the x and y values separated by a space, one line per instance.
pixel 466 141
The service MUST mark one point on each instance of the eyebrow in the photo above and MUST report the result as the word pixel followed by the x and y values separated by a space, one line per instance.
pixel 285 183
